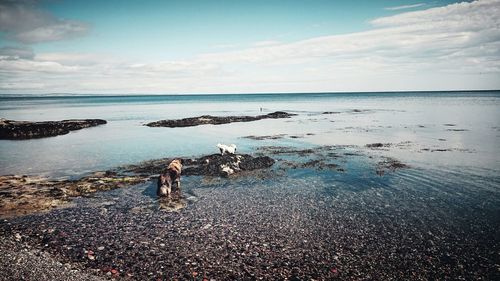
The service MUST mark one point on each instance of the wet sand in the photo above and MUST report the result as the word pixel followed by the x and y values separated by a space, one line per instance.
pixel 318 214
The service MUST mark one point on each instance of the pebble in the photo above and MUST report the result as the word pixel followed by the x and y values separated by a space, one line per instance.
pixel 343 239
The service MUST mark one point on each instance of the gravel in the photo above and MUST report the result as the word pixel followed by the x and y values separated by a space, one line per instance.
pixel 20 261
pixel 289 224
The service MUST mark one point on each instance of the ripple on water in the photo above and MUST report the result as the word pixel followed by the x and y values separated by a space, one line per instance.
pixel 304 222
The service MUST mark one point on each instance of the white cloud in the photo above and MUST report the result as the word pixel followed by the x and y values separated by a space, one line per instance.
pixel 266 43
pixel 404 7
pixel 444 48
pixel 23 21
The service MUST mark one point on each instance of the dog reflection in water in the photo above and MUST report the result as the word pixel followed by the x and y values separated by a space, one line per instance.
pixel 169 182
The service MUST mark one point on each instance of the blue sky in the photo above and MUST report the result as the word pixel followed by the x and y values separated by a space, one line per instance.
pixel 247 46
pixel 180 29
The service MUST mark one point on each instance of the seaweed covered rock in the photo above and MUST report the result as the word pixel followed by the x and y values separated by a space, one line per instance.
pixel 225 165
pixel 216 120
pixel 210 165
pixel 28 194
pixel 18 130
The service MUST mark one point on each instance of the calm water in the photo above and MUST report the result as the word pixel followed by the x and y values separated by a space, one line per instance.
pixel 438 219
pixel 417 118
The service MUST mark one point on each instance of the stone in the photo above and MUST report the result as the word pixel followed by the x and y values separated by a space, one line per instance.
pixel 20 130
pixel 216 120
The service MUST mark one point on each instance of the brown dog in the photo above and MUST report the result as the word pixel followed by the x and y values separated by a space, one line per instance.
pixel 171 176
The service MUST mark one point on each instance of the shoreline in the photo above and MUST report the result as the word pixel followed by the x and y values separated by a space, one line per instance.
pixel 22 194
pixel 302 219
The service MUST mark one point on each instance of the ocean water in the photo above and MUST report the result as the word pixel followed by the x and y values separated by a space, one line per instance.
pixel 359 118
pixel 438 218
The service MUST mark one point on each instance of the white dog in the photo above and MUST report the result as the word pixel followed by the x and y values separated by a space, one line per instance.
pixel 231 149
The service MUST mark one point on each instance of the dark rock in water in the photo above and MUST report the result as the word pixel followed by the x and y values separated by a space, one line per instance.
pixel 18 130
pixel 378 145
pixel 216 120
pixel 389 164
pixel 272 137
pixel 226 165
pixel 253 163
pixel 210 165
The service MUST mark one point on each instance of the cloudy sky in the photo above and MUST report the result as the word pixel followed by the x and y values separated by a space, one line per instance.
pixel 232 46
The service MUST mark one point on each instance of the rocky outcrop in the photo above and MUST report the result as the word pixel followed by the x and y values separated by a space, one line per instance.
pixel 216 120
pixel 210 165
pixel 227 164
pixel 18 130
pixel 27 194
pixel 21 195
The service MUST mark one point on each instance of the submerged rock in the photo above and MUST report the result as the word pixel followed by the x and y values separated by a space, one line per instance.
pixel 389 164
pixel 216 120
pixel 271 137
pixel 18 130
pixel 27 194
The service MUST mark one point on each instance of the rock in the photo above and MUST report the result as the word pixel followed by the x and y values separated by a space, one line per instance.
pixel 227 164
pixel 27 194
pixel 19 130
pixel 216 120
pixel 271 137
pixel 378 145
pixel 23 195
pixel 389 164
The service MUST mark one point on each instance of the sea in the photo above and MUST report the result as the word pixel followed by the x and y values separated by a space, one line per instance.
pixel 467 124
pixel 383 186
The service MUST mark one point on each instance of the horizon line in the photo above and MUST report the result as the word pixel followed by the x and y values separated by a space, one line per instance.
pixel 222 94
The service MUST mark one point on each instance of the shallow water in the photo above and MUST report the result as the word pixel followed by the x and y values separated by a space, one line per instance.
pixel 413 223
pixel 317 214
pixel 419 118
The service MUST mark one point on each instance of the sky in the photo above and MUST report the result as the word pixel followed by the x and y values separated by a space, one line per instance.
pixel 258 46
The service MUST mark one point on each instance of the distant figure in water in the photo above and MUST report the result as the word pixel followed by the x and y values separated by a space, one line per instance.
pixel 171 177
pixel 261 109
